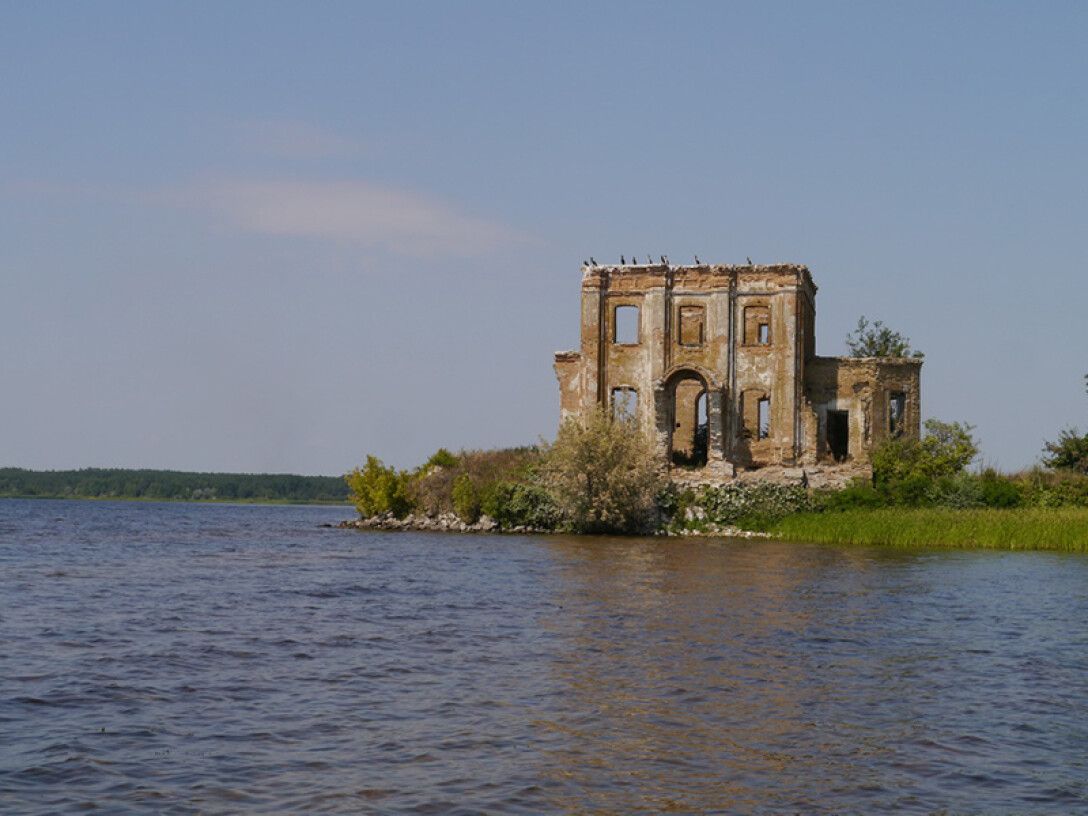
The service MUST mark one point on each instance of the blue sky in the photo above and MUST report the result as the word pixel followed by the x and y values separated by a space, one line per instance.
pixel 278 236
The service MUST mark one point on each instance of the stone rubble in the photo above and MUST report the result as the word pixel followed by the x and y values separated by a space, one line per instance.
pixel 445 523
pixel 450 523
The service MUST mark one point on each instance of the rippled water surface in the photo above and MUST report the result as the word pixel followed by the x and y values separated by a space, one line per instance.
pixel 177 658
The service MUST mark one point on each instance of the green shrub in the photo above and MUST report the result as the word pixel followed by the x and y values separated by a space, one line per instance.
pixel 603 475
pixel 962 491
pixel 910 490
pixel 1052 488
pixel 998 490
pixel 751 505
pixel 673 500
pixel 432 485
pixel 513 504
pixel 858 495
pixel 945 449
pixel 466 499
pixel 377 489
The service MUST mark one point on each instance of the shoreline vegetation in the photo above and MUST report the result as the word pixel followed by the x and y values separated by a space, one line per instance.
pixel 123 484
pixel 601 476
pixel 1058 529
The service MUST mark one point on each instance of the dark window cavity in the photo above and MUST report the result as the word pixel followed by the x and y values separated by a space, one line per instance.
pixel 838 434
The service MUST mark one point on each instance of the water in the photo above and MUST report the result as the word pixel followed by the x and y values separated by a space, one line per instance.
pixel 175 658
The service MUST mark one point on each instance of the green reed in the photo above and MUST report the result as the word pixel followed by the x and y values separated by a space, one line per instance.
pixel 1017 529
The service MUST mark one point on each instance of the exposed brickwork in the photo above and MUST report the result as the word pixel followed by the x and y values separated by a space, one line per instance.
pixel 724 366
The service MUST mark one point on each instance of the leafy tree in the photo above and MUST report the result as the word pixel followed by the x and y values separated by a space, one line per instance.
pixel 877 340
pixel 440 458
pixel 603 475
pixel 1070 452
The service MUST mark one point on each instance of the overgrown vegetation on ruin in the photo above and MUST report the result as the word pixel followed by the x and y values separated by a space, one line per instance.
pixel 601 476
pixel 877 340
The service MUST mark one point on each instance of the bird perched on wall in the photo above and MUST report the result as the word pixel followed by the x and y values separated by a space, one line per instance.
pixel 749 261
pixel 622 261
pixel 585 263
pixel 592 260
pixel 697 261
pixel 664 261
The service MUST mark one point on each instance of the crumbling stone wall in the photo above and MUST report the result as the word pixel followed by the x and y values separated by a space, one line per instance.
pixel 739 340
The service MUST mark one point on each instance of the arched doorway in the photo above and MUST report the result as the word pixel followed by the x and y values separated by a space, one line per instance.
pixel 689 427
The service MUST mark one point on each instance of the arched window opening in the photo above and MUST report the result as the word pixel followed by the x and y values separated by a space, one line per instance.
pixel 690 433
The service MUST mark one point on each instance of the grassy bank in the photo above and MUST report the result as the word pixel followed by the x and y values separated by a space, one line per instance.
pixel 1017 529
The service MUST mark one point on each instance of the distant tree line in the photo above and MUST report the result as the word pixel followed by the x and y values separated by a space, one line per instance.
pixel 170 484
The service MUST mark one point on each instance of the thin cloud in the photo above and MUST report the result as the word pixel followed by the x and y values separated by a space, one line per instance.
pixel 292 139
pixel 357 213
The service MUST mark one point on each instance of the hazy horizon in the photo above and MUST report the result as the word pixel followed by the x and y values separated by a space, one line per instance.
pixel 273 238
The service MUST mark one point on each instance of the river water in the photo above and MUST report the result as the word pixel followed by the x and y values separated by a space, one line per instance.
pixel 183 658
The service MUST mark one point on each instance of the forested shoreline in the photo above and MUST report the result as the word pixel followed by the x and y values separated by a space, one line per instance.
pixel 170 485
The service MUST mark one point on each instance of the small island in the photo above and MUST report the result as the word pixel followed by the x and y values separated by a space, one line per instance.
pixel 697 405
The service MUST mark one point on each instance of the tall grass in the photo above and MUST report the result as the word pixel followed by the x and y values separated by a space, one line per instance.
pixel 1019 529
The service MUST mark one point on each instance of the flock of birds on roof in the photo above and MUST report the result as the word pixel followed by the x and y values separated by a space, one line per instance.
pixel 649 261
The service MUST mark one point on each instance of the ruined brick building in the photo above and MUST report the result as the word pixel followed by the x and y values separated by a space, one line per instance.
pixel 720 363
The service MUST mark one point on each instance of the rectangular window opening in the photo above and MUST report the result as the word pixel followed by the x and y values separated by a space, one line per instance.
pixel 764 421
pixel 757 326
pixel 624 403
pixel 626 326
pixel 691 325
pixel 897 408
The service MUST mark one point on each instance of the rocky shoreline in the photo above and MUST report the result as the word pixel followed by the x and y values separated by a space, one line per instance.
pixel 451 523
pixel 445 523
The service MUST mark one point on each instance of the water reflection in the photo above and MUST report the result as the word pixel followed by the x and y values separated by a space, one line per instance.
pixel 745 676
